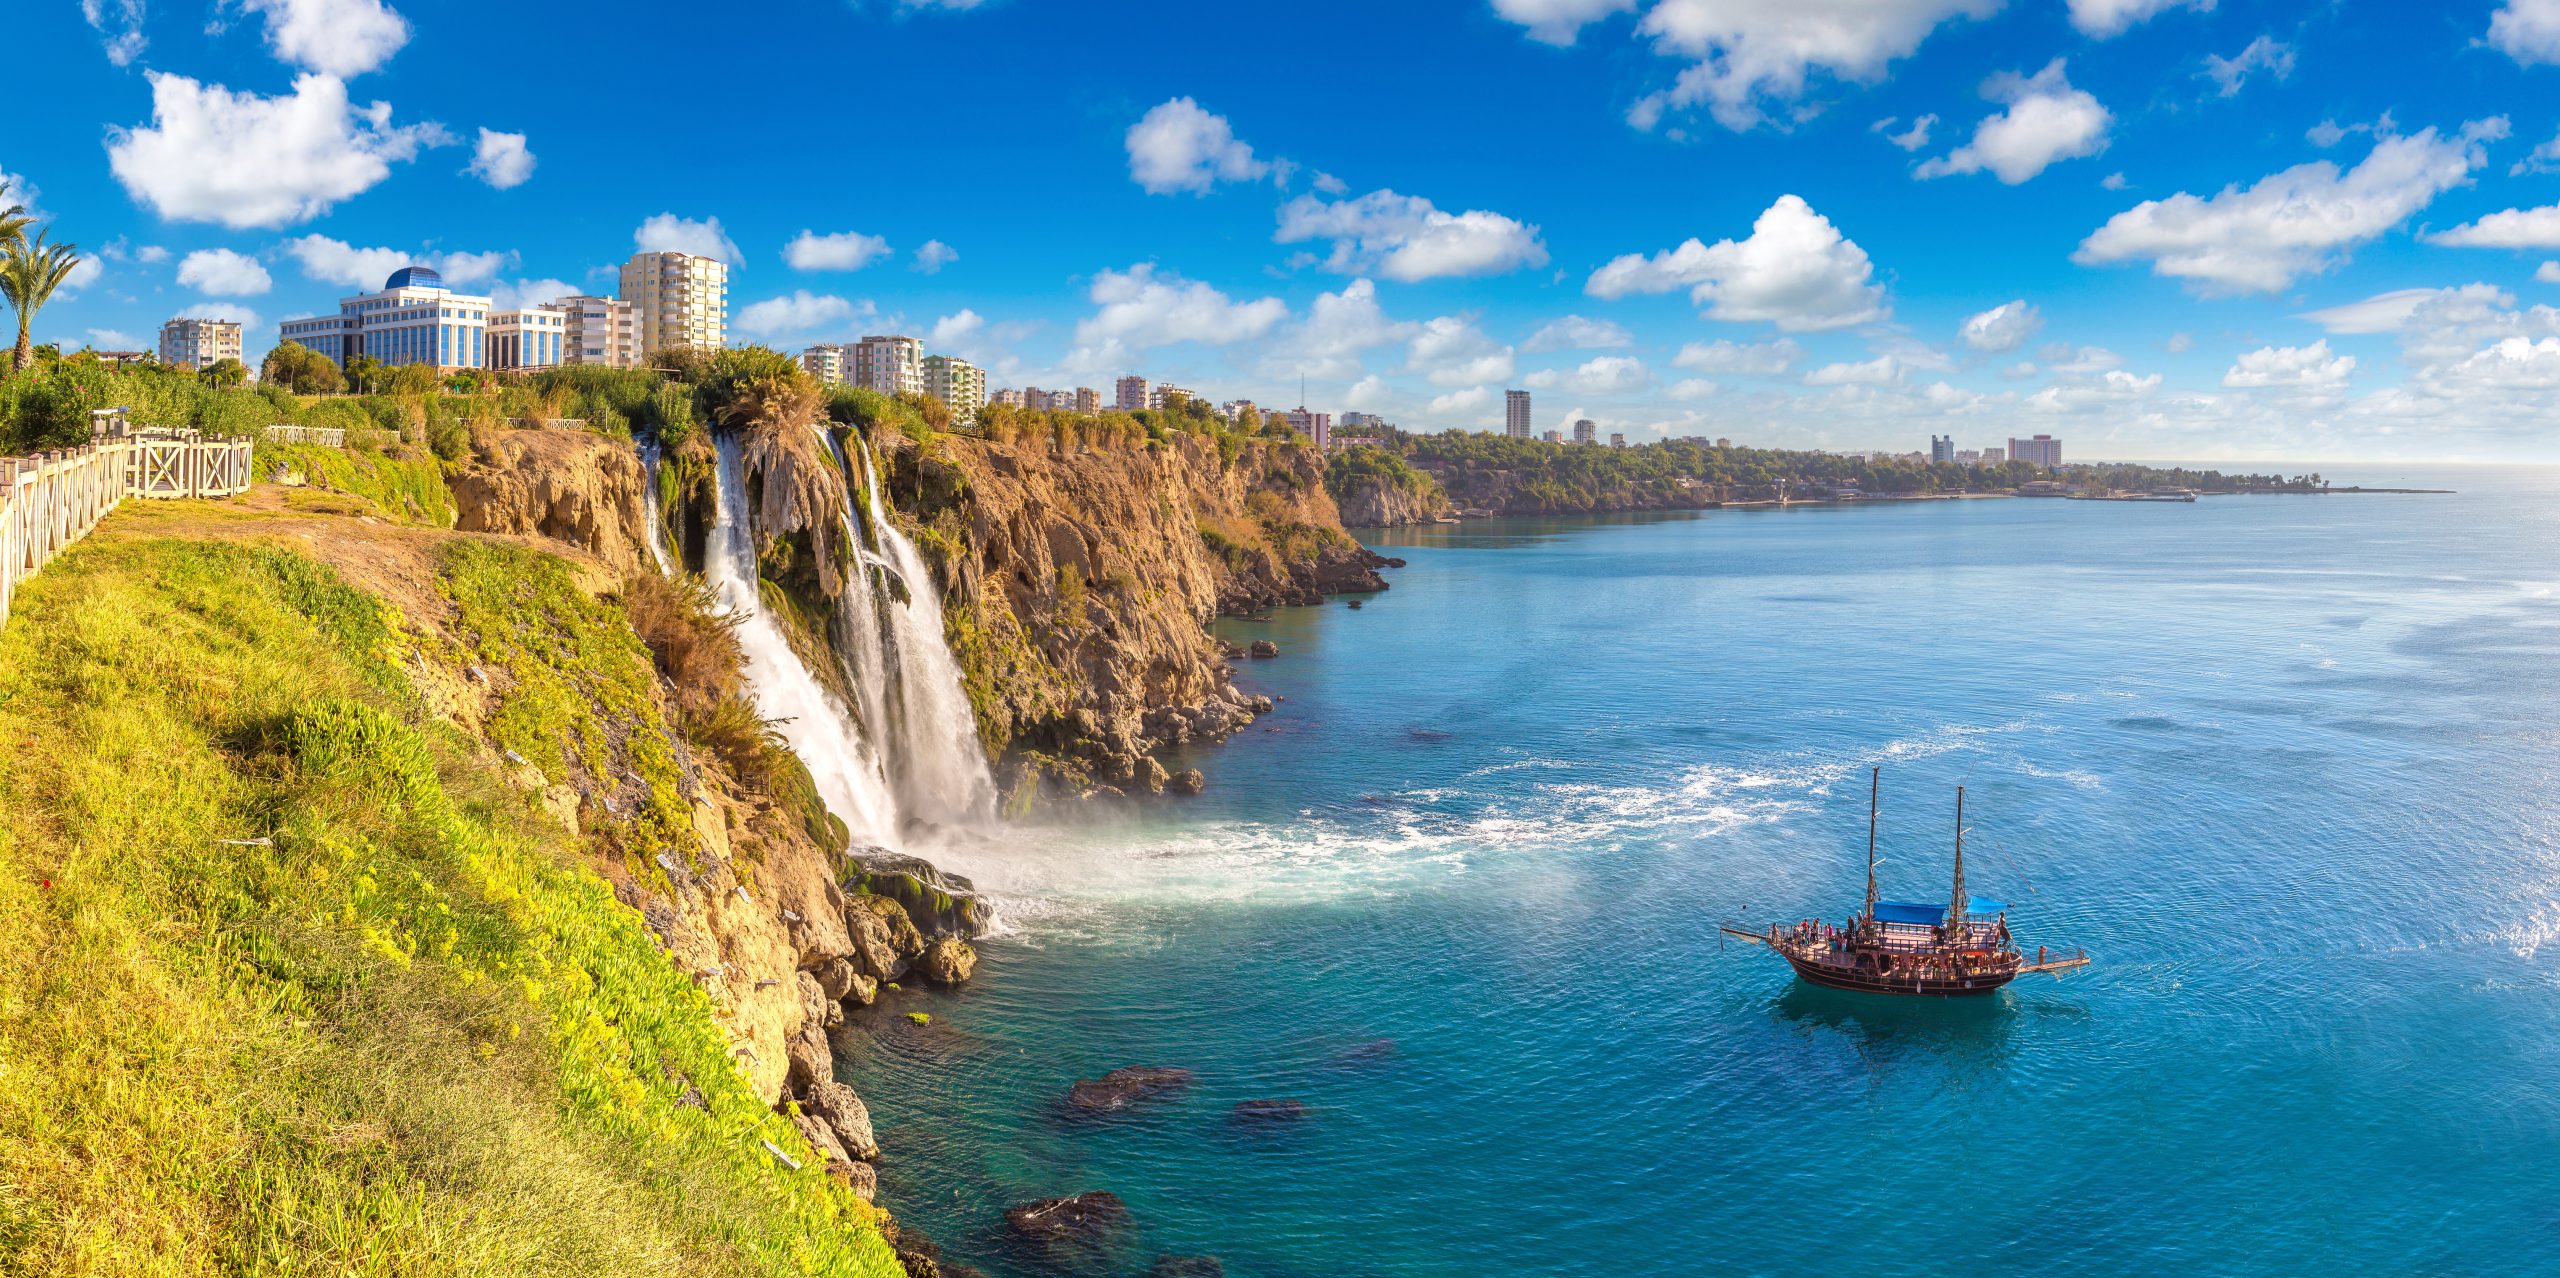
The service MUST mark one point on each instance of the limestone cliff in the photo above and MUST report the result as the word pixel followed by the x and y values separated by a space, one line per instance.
pixel 1379 502
pixel 1076 581
pixel 571 486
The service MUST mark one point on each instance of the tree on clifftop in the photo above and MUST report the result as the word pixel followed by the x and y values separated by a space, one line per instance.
pixel 302 370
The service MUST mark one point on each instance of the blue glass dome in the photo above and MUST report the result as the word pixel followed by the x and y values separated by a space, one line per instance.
pixel 414 277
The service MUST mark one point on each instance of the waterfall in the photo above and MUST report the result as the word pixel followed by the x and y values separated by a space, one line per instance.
pixel 847 770
pixel 657 532
pixel 895 652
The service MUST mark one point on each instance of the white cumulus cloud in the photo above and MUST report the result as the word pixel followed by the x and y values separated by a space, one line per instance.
pixel 1744 55
pixel 795 314
pixel 1911 139
pixel 1576 333
pixel 2297 222
pixel 1405 238
pixel 211 155
pixel 2005 327
pixel 2299 368
pixel 223 273
pixel 2512 229
pixel 1765 358
pixel 1558 22
pixel 1142 308
pixel 1338 330
pixel 2105 18
pixel 333 37
pixel 231 311
pixel 120 21
pixel 1883 370
pixel 667 233
pixel 839 251
pixel 2265 53
pixel 2046 121
pixel 2527 30
pixel 2547 273
pixel 932 256
pixel 338 262
pixel 1451 351
pixel 1604 375
pixel 502 160
pixel 1795 271
pixel 1177 146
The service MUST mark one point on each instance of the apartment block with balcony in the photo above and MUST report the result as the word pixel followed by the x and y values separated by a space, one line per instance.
pixel 680 300
pixel 598 330
pixel 826 362
pixel 198 343
pixel 957 383
pixel 889 365
pixel 1130 394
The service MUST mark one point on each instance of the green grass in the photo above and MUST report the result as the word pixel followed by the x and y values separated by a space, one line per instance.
pixel 410 1033
pixel 400 486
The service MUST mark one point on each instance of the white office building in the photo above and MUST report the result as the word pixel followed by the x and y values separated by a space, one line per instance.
pixel 198 344
pixel 527 340
pixel 415 319
pixel 2043 450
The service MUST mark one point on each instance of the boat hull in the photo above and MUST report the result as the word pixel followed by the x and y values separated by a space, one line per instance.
pixel 1868 982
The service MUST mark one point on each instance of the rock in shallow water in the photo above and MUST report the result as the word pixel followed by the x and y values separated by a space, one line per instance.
pixel 1188 1267
pixel 1187 781
pixel 1264 648
pixel 1076 1222
pixel 947 960
pixel 1125 1086
pixel 1267 1113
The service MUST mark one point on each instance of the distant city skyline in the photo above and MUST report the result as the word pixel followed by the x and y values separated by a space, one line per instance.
pixel 2169 230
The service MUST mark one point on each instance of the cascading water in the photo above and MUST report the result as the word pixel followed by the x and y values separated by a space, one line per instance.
pixel 847 770
pixel 896 653
pixel 657 531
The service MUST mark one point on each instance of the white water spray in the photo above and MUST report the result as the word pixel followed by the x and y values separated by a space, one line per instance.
pixel 847 770
pixel 656 531
pixel 939 768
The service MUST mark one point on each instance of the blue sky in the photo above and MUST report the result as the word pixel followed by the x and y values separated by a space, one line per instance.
pixel 2157 229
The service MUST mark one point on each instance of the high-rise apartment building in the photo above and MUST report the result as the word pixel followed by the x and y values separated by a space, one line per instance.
pixel 824 362
pixel 889 365
pixel 1165 393
pixel 1942 448
pixel 1553 437
pixel 415 319
pixel 1515 414
pixel 2043 450
pixel 1008 398
pixel 1617 440
pixel 1586 431
pixel 527 339
pixel 1131 394
pixel 680 299
pixel 1088 400
pixel 198 343
pixel 598 330
pixel 1315 426
pixel 956 382
pixel 1995 457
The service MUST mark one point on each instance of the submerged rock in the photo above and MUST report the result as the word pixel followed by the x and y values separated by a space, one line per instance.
pixel 1188 1267
pixel 947 960
pixel 1376 1051
pixel 1125 1086
pixel 1267 1113
pixel 1077 1226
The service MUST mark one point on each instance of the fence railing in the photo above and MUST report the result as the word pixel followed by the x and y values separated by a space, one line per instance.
pixel 325 436
pixel 52 499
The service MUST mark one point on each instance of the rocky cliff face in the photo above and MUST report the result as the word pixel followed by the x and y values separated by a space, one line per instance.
pixel 1076 582
pixel 567 485
pixel 1377 502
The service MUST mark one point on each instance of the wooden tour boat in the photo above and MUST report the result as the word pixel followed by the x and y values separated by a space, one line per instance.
pixel 1902 947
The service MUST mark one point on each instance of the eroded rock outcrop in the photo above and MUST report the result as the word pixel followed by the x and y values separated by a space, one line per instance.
pixel 572 486
pixel 1381 502
pixel 1077 581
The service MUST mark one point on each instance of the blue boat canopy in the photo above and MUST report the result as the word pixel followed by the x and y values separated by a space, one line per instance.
pixel 1922 915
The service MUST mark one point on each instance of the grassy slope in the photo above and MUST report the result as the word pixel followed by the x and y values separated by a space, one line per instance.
pixel 413 1034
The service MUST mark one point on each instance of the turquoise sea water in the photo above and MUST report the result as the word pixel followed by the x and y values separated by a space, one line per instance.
pixel 2286 766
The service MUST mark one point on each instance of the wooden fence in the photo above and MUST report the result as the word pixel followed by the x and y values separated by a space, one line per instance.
pixel 325 436
pixel 53 499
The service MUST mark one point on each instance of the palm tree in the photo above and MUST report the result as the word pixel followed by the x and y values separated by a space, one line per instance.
pixel 13 224
pixel 30 270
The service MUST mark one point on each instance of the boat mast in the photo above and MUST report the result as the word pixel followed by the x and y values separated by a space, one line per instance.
pixel 1875 795
pixel 1956 902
